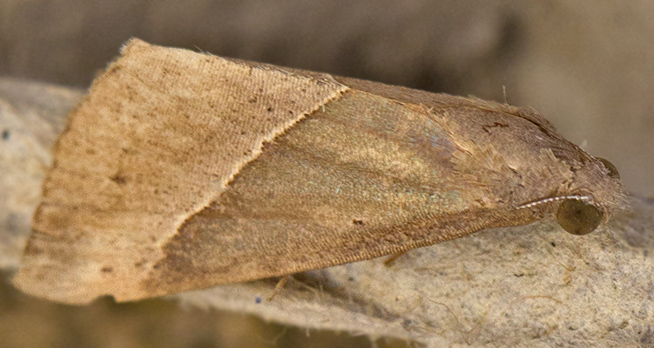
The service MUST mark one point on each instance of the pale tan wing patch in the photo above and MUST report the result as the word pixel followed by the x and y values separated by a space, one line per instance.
pixel 160 134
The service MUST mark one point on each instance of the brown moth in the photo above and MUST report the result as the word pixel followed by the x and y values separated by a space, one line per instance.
pixel 182 170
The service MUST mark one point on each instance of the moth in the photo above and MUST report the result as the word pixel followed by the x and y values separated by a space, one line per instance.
pixel 182 171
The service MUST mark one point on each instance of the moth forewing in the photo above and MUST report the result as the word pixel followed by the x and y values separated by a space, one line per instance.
pixel 181 171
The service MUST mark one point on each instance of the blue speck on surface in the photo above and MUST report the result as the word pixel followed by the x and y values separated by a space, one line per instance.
pixel 257 300
pixel 5 134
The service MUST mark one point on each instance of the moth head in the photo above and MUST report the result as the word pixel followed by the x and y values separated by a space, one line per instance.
pixel 589 199
pixel 597 194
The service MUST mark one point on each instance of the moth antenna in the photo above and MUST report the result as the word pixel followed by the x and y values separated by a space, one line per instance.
pixel 585 199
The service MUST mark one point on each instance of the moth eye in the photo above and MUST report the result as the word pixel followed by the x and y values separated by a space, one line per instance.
pixel 577 217
pixel 613 171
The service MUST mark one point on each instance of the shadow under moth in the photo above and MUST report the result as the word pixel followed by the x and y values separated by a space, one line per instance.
pixel 180 170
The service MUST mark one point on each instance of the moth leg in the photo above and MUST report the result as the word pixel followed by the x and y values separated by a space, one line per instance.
pixel 389 261
pixel 279 286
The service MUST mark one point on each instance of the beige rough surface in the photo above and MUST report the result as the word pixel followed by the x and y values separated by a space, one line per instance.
pixel 533 286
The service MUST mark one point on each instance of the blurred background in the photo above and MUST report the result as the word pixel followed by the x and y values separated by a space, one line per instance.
pixel 586 66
